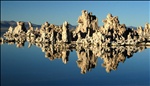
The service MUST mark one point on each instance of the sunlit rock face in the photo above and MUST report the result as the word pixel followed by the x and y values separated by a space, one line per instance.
pixel 87 24
pixel 9 32
pixel 87 32
pixel 147 29
pixel 19 28
pixel 65 32
pixel 30 31
pixel 146 32
pixel 112 30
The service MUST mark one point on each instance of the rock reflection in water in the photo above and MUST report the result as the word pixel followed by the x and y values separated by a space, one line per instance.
pixel 87 54
pixel 110 42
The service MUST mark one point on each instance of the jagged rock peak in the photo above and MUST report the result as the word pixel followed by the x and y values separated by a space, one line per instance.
pixel 87 20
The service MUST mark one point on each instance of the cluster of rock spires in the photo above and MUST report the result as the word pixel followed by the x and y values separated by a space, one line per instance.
pixel 87 32
pixel 52 38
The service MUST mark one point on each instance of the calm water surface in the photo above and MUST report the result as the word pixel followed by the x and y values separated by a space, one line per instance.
pixel 29 67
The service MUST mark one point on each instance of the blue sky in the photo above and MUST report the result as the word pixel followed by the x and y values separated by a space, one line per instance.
pixel 131 13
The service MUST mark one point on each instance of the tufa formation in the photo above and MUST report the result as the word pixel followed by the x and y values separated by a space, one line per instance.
pixel 87 32
pixel 110 42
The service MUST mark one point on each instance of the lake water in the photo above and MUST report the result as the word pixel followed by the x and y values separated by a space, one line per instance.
pixel 33 67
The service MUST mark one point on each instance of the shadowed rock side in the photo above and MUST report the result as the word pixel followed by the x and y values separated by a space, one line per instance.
pixel 110 42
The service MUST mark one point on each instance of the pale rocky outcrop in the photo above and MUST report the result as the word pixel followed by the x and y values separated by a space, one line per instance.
pixel 87 24
pixel 65 32
pixel 146 32
pixel 9 32
pixel 19 28
pixel 87 32
pixel 87 20
pixel 140 31
pixel 30 31
pixel 112 23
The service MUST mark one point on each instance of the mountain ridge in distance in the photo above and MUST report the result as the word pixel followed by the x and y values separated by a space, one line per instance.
pixel 6 24
pixel 14 24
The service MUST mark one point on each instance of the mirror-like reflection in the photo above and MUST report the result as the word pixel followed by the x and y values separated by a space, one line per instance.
pixel 110 42
pixel 87 55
